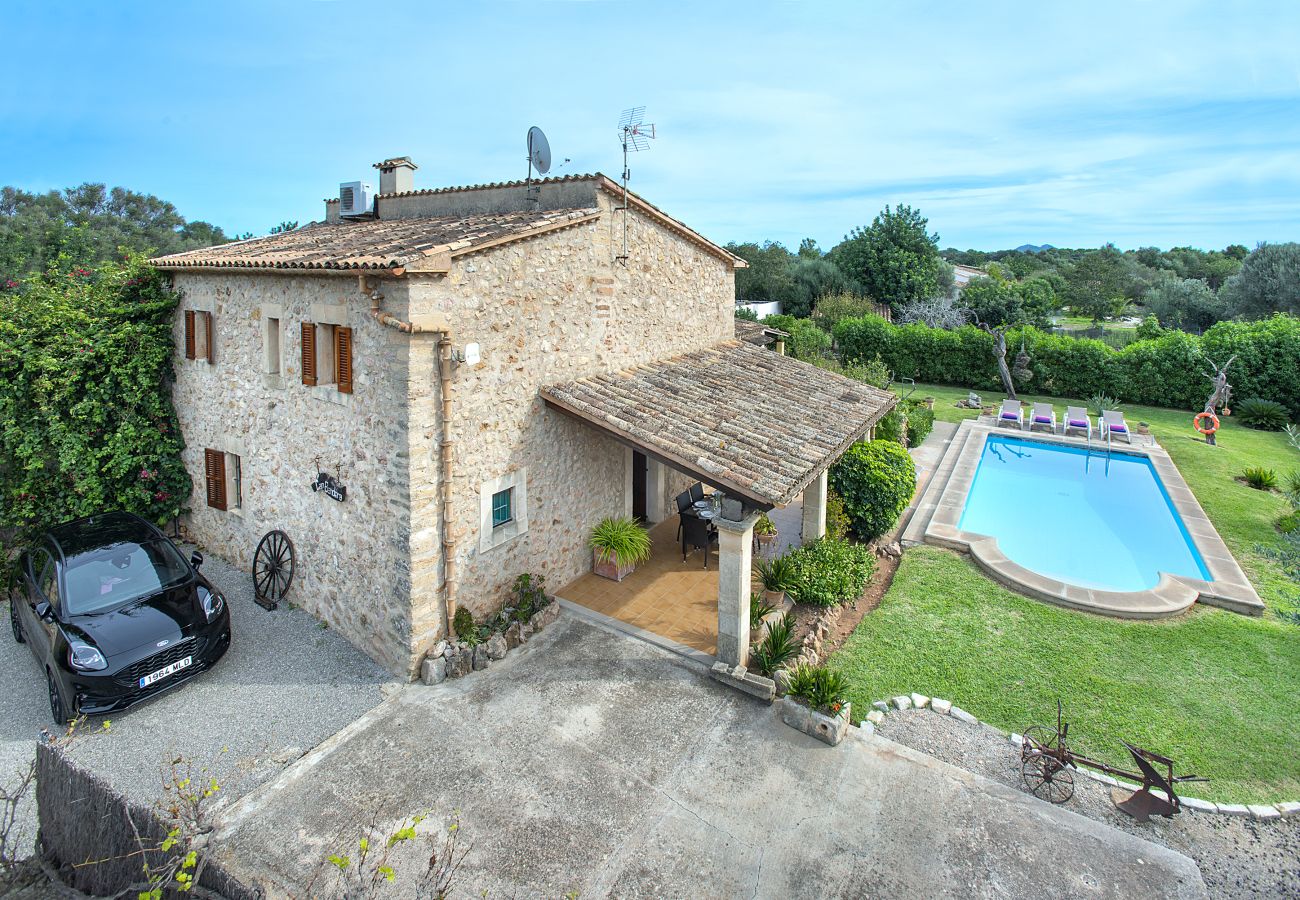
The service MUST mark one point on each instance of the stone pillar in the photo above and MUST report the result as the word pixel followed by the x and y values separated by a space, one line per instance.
pixel 735 546
pixel 814 509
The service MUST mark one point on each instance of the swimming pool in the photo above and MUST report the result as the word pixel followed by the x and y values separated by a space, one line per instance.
pixel 1093 519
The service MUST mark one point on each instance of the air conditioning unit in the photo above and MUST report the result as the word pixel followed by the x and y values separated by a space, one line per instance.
pixel 356 198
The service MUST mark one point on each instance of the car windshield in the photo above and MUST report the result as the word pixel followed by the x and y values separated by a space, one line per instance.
pixel 112 576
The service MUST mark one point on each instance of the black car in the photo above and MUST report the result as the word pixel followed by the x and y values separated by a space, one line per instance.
pixel 115 614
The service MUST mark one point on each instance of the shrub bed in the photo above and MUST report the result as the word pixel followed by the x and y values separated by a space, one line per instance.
pixel 828 572
pixel 1165 371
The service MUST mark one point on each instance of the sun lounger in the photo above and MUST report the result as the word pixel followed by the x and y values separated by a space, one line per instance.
pixel 1076 419
pixel 1043 414
pixel 1011 414
pixel 1112 423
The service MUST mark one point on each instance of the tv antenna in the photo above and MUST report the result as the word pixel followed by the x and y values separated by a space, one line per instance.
pixel 539 158
pixel 635 135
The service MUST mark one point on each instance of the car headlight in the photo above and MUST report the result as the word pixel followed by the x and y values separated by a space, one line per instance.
pixel 85 658
pixel 213 603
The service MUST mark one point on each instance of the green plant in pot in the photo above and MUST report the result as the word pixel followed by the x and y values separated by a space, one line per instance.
pixel 618 546
pixel 758 608
pixel 765 530
pixel 777 577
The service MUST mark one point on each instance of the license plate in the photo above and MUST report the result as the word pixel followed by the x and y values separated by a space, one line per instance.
pixel 169 670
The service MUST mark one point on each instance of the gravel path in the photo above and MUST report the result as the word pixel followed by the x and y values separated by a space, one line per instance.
pixel 285 685
pixel 1237 857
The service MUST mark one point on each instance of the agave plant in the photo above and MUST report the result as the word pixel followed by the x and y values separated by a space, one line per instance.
pixel 819 687
pixel 776 648
pixel 758 608
pixel 1101 403
pixel 621 540
pixel 1259 478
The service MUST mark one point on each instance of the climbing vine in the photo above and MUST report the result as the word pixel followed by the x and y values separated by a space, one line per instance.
pixel 86 417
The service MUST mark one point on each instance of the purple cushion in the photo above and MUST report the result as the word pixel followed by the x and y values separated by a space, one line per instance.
pixel 1007 415
pixel 1075 423
pixel 1042 420
pixel 1119 428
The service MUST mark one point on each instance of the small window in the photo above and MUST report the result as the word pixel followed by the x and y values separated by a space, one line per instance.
pixel 503 507
pixel 271 347
pixel 235 492
pixel 225 479
pixel 199 336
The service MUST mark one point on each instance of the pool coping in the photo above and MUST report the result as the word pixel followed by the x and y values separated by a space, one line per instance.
pixel 1229 588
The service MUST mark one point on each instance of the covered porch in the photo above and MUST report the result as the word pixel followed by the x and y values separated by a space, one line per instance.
pixel 756 426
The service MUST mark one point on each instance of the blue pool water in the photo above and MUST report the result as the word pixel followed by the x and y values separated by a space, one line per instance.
pixel 1091 519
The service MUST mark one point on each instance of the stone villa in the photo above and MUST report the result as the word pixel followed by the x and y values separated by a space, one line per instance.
pixel 486 373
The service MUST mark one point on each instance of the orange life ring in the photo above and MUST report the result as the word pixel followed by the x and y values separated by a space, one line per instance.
pixel 1214 422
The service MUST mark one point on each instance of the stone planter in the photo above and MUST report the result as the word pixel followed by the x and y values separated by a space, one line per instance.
pixel 989 410
pixel 827 729
pixel 775 598
pixel 1143 428
pixel 929 403
pixel 610 569
pixel 766 540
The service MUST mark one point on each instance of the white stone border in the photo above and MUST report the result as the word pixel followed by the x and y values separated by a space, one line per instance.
pixel 879 708
pixel 1228 588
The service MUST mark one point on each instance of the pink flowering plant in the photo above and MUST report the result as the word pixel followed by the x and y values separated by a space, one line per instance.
pixel 86 417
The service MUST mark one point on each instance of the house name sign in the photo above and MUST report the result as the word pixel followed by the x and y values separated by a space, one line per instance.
pixel 329 486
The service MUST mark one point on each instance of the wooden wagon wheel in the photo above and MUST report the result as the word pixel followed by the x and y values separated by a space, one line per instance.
pixel 1046 778
pixel 273 568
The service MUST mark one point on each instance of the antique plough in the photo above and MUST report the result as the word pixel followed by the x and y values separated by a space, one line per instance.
pixel 1047 767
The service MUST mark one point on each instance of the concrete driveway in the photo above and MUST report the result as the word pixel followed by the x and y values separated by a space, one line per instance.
pixel 591 764
pixel 284 686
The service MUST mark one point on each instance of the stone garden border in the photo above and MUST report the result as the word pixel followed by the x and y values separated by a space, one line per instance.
pixel 1229 587
pixel 879 708
pixel 454 659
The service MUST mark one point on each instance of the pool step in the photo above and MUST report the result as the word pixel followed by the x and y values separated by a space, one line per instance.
pixel 918 515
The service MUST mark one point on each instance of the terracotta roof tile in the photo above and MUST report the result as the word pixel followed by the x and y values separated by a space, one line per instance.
pixel 757 333
pixel 370 244
pixel 747 419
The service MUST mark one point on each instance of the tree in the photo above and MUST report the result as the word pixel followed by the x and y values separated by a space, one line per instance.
pixel 1236 251
pixel 938 312
pixel 814 278
pixel 998 305
pixel 808 249
pixel 1186 304
pixel 895 259
pixel 1269 282
pixel 1094 282
pixel 87 225
pixel 768 276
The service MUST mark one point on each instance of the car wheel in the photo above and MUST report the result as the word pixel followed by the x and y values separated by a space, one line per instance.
pixel 57 709
pixel 15 622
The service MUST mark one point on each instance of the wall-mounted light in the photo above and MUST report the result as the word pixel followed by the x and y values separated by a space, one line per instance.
pixel 470 356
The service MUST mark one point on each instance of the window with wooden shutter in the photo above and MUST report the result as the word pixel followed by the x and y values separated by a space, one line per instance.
pixel 309 353
pixel 189 334
pixel 214 463
pixel 211 355
pixel 343 359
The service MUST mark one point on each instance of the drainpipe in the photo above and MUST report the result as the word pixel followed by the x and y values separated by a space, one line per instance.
pixel 432 325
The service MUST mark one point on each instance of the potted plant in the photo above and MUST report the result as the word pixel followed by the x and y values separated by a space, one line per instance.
pixel 1144 428
pixel 817 703
pixel 929 403
pixel 758 609
pixel 618 545
pixel 765 530
pixel 777 577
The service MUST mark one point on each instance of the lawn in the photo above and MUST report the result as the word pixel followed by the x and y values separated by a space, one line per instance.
pixel 1214 690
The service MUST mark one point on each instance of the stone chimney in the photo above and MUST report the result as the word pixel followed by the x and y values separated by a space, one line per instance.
pixel 396 175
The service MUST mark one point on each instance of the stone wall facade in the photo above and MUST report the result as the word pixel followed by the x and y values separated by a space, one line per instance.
pixel 556 308
pixel 353 558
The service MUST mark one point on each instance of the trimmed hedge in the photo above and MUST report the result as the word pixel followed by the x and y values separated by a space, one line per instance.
pixel 876 480
pixel 1168 371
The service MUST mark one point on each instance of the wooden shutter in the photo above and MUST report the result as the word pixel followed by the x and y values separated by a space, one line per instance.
pixel 343 359
pixel 211 344
pixel 214 464
pixel 309 353
pixel 189 334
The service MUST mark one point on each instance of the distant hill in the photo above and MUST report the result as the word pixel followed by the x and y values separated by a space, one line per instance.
pixel 1034 248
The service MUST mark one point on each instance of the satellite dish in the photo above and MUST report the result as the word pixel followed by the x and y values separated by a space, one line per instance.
pixel 539 150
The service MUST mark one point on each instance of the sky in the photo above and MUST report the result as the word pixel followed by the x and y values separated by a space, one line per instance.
pixel 1071 124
